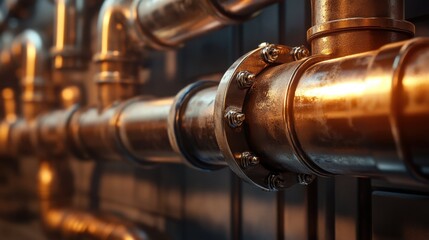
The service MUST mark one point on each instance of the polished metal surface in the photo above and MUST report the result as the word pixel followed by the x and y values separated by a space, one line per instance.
pixel 191 126
pixel 346 107
pixel 115 57
pixel 360 26
pixel 229 128
pixel 167 24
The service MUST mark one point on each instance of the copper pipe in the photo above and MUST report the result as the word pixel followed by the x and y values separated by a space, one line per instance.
pixel 347 115
pixel 71 52
pixel 127 26
pixel 326 114
pixel 341 27
pixel 117 60
pixel 168 24
pixel 339 116
pixel 28 56
pixel 144 130
pixel 72 27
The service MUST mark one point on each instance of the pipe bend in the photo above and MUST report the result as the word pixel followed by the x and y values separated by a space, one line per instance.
pixel 114 31
pixel 118 68
pixel 28 57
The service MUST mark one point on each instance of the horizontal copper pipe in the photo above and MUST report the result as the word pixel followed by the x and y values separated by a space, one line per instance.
pixel 144 131
pixel 168 24
pixel 361 115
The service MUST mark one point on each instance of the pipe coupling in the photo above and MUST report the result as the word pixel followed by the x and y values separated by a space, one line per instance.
pixel 230 116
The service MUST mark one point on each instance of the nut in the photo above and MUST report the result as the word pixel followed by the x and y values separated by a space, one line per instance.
pixel 270 53
pixel 248 159
pixel 275 182
pixel 245 79
pixel 235 118
pixel 300 53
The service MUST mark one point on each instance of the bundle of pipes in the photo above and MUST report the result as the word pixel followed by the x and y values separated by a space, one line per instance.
pixel 356 106
pixel 124 26
pixel 273 114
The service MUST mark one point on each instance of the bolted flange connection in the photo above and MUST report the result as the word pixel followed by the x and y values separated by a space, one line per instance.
pixel 305 179
pixel 231 97
pixel 275 182
pixel 235 118
pixel 245 79
pixel 270 52
pixel 248 159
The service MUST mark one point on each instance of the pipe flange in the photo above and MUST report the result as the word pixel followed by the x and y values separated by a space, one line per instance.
pixel 359 23
pixel 230 118
pixel 175 135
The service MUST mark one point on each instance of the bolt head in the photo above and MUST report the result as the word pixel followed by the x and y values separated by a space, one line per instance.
pixel 245 79
pixel 270 53
pixel 300 52
pixel 248 159
pixel 275 182
pixel 235 118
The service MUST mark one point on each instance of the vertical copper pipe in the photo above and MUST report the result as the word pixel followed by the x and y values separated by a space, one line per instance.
pixel 341 27
pixel 72 27
pixel 117 60
pixel 29 57
pixel 71 52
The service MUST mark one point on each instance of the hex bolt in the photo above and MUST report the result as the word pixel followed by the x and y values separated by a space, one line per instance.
pixel 305 179
pixel 270 53
pixel 248 159
pixel 275 182
pixel 235 118
pixel 245 79
pixel 300 53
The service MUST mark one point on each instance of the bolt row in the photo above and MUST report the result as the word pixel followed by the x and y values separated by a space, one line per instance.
pixel 235 118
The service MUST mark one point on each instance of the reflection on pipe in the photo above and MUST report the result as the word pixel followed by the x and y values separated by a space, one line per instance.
pixel 27 54
pixel 168 24
pixel 125 27
pixel 72 33
pixel 115 55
